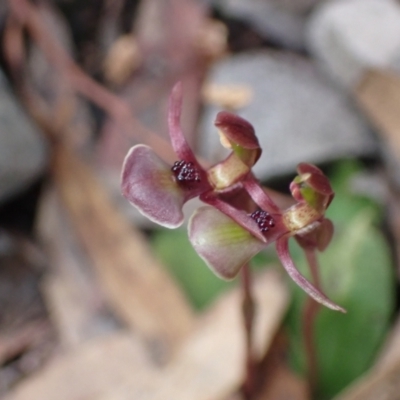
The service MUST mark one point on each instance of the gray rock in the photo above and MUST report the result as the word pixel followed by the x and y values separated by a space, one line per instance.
pixel 297 114
pixel 276 20
pixel 349 36
pixel 23 152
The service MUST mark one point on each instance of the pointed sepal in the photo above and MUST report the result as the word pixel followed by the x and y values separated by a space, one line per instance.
pixel 282 248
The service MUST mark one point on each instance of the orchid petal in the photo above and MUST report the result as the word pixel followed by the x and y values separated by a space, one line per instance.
pixel 324 234
pixel 147 182
pixel 237 130
pixel 282 248
pixel 320 183
pixel 319 237
pixel 227 172
pixel 301 218
pixel 224 245
pixel 305 168
pixel 246 221
pixel 240 136
pixel 260 197
pixel 317 182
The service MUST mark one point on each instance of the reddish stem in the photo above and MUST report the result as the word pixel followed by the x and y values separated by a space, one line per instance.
pixel 310 313
pixel 248 319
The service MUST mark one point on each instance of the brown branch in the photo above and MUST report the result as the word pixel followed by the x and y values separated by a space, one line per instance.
pixel 29 17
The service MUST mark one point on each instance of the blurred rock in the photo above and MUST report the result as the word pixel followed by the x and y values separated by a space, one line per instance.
pixel 23 153
pixel 349 36
pixel 297 114
pixel 280 21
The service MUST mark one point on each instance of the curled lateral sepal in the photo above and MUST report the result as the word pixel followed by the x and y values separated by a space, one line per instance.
pixel 287 262
pixel 223 244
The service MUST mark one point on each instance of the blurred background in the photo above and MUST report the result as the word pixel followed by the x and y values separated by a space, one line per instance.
pixel 97 302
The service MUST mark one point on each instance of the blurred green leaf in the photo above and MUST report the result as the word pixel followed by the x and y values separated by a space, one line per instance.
pixel 346 204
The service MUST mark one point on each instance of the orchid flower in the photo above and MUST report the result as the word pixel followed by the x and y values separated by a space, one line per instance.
pixel 240 219
pixel 227 238
pixel 159 190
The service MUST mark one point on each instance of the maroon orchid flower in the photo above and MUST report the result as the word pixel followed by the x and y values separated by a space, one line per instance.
pixel 232 228
pixel 159 190
pixel 227 238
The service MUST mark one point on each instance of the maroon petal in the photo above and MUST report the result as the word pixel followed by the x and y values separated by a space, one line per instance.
pixel 325 234
pixel 316 179
pixel 262 199
pixel 318 238
pixel 321 184
pixel 287 262
pixel 255 224
pixel 305 168
pixel 237 130
pixel 224 245
pixel 240 136
pixel 147 182
pixel 227 172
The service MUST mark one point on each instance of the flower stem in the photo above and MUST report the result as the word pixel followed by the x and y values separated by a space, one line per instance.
pixel 248 307
pixel 311 309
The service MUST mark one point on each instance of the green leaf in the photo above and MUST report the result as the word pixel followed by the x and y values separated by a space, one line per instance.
pixel 362 280
pixel 345 203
